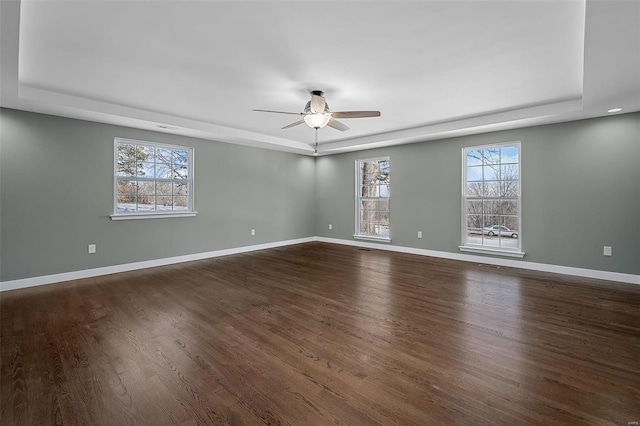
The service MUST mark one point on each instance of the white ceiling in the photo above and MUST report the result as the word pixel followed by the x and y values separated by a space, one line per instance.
pixel 434 69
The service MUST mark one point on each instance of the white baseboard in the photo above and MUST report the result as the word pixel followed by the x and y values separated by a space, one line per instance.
pixel 543 267
pixel 88 273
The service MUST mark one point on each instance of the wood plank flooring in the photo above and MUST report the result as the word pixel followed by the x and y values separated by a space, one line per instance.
pixel 317 334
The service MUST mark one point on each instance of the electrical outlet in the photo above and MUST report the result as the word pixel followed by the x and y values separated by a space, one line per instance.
pixel 253 232
pixel 419 234
pixel 91 249
pixel 330 226
pixel 607 251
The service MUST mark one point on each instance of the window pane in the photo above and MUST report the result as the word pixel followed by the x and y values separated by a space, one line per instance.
pixel 474 174
pixel 491 189
pixel 180 189
pixel 509 232
pixel 125 168
pixel 491 207
pixel 489 221
pixel 180 203
pixel 146 203
pixel 146 153
pixel 474 189
pixel 384 217
pixel 145 169
pixel 164 203
pixel 369 178
pixel 509 188
pixel 509 154
pixel 382 229
pixel 474 158
pixel 127 187
pixel 126 152
pixel 491 156
pixel 163 155
pixel 509 172
pixel 146 188
pixel 511 223
pixel 474 229
pixel 180 157
pixel 474 223
pixel 368 228
pixel 509 207
pixel 163 171
pixel 369 191
pixel 491 172
pixel 126 203
pixel 163 188
pixel 474 207
pixel 180 172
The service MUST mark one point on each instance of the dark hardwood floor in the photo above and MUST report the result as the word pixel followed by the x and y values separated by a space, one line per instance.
pixel 319 334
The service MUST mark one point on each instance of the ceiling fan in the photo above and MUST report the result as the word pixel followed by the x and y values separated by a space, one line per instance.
pixel 317 114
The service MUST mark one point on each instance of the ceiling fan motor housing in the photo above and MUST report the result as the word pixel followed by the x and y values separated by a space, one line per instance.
pixel 307 108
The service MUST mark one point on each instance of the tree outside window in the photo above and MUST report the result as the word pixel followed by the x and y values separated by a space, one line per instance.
pixel 491 196
pixel 152 178
pixel 372 198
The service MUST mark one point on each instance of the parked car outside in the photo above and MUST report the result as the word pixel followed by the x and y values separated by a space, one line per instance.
pixel 499 230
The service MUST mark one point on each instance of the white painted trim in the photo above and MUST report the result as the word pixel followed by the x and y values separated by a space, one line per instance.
pixel 543 267
pixel 130 216
pixel 372 238
pixel 88 273
pixel 485 250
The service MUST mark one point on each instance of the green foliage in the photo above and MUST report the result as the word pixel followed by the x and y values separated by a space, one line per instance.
pixel 130 158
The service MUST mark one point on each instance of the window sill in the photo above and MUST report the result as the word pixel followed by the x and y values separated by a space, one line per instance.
pixel 131 216
pixel 372 238
pixel 496 252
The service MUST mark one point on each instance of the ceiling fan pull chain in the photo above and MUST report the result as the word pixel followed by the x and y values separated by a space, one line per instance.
pixel 315 151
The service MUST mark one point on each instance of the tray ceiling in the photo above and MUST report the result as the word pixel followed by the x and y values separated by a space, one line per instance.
pixel 434 69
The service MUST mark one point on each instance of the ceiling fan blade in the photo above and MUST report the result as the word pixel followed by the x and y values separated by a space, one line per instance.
pixel 278 112
pixel 337 125
pixel 355 114
pixel 293 124
pixel 317 104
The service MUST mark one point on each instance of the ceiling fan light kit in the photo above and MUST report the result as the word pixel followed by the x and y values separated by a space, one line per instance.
pixel 317 121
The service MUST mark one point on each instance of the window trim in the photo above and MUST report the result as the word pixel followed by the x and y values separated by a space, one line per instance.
pixel 115 215
pixel 474 248
pixel 357 235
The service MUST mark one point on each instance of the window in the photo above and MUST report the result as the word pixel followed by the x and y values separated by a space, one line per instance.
pixel 152 180
pixel 491 199
pixel 372 199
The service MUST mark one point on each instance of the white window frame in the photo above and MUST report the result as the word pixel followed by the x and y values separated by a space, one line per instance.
pixel 480 248
pixel 120 215
pixel 358 198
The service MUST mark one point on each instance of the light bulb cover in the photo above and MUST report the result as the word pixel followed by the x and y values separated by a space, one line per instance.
pixel 317 121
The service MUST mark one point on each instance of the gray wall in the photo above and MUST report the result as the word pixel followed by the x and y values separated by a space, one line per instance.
pixel 580 192
pixel 56 192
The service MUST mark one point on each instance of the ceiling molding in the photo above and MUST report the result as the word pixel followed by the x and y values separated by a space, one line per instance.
pixel 493 82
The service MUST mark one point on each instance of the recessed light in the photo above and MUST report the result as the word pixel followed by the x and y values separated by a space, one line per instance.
pixel 615 110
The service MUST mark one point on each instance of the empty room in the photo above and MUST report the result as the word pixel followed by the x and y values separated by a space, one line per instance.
pixel 319 212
